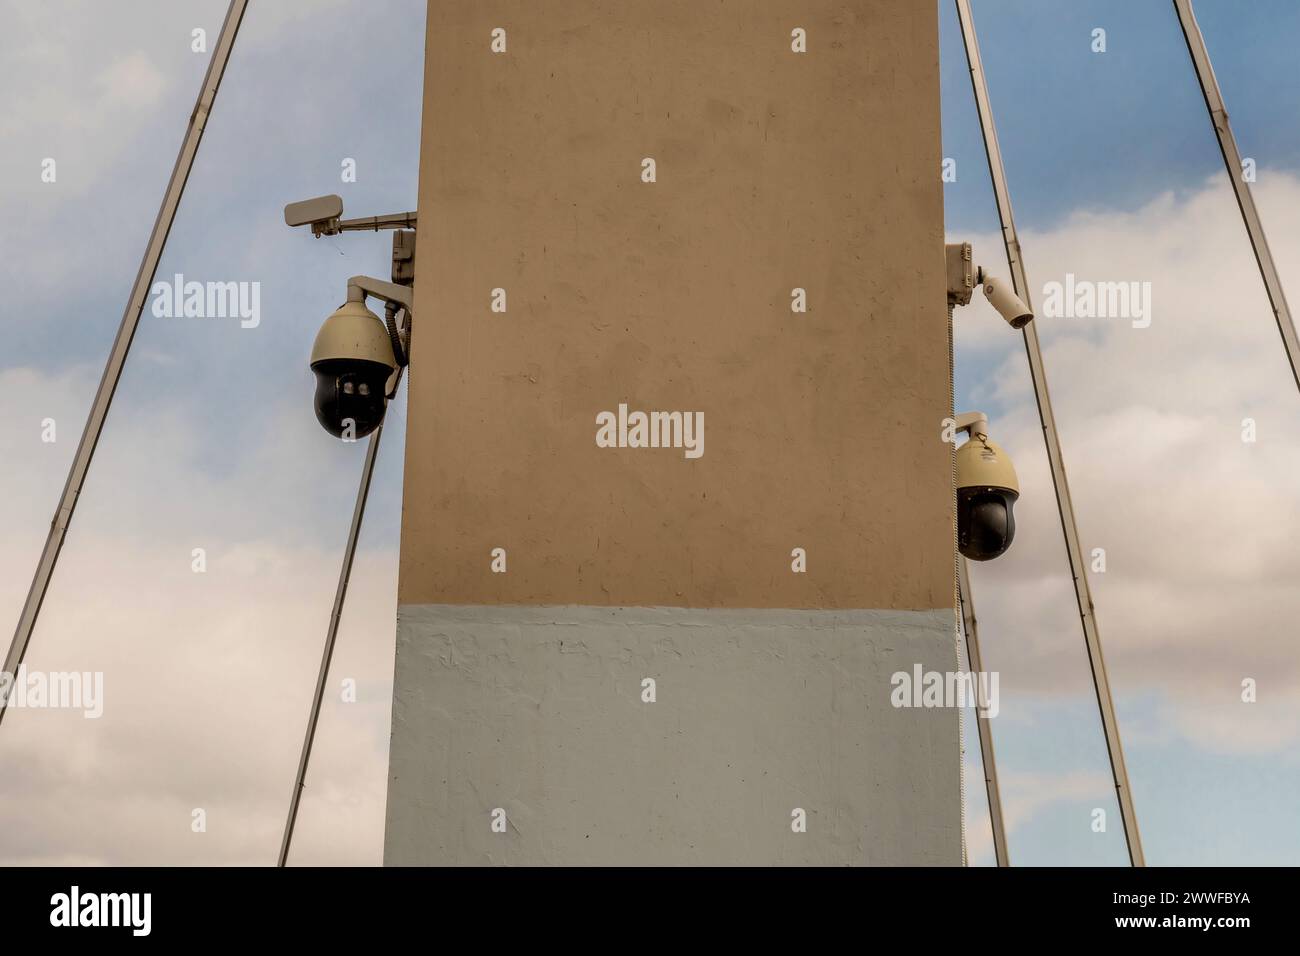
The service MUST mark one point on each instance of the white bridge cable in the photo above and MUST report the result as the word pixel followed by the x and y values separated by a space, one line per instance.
pixel 122 343
pixel 956 578
pixel 331 637
pixel 1218 111
pixel 1065 505
pixel 975 667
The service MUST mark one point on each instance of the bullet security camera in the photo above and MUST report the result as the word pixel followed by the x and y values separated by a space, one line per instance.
pixel 1008 304
pixel 987 491
pixel 356 359
pixel 964 275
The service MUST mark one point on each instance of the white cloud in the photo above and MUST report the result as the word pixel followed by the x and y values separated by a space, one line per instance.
pixel 83 84
pixel 132 82
pixel 207 682
pixel 207 676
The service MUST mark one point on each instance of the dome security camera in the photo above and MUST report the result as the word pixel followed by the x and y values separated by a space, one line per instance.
pixel 353 360
pixel 987 490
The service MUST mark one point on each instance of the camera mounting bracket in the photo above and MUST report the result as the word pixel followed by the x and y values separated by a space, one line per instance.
pixel 976 424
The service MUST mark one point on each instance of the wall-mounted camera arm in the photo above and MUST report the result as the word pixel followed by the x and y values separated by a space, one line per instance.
pixel 395 298
pixel 394 220
pixel 361 286
pixel 973 423
pixel 324 215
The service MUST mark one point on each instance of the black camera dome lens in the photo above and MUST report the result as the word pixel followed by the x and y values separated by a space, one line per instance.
pixel 351 393
pixel 986 524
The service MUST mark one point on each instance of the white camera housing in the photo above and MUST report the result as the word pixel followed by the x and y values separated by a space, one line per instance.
pixel 1009 305
pixel 316 213
pixel 964 275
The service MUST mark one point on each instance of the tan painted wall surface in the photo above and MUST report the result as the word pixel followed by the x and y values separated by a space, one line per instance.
pixel 775 170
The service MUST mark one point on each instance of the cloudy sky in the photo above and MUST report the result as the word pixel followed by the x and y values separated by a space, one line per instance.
pixel 211 442
pixel 1115 176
